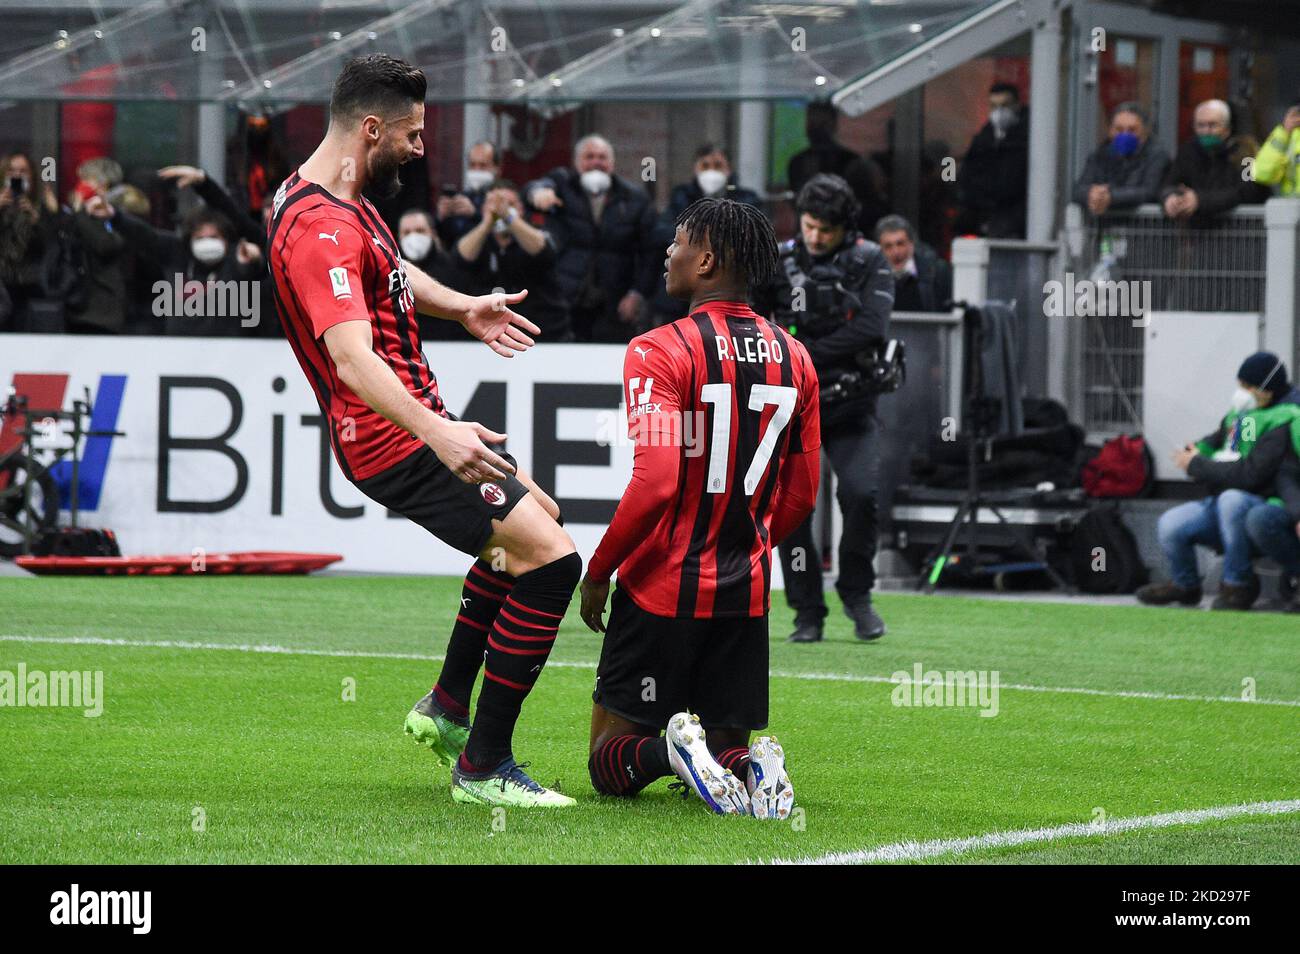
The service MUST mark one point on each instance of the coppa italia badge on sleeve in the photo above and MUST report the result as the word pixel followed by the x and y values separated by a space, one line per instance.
pixel 339 283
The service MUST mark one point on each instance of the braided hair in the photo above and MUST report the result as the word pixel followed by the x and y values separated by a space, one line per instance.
pixel 740 236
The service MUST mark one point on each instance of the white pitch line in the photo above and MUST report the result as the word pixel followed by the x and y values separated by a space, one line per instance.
pixel 921 850
pixel 273 649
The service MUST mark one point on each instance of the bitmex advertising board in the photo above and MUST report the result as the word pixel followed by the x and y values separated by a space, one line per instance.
pixel 224 447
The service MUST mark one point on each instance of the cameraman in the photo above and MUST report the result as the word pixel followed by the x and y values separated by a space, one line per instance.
pixel 835 295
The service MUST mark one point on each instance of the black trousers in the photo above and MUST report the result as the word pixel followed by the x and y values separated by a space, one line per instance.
pixel 854 460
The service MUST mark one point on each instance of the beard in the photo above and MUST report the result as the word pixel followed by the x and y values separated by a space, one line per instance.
pixel 382 174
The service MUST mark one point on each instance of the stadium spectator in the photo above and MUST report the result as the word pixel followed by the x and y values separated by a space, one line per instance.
pixel 206 250
pixel 826 154
pixel 102 307
pixel 610 264
pixel 28 214
pixel 1206 178
pixel 993 181
pixel 937 198
pixel 418 237
pixel 922 280
pixel 247 227
pixel 458 212
pixel 713 177
pixel 1126 170
pixel 506 252
pixel 1279 536
pixel 1278 161
pixel 1239 462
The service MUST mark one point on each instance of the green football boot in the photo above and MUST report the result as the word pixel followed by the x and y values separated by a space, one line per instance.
pixel 507 785
pixel 444 734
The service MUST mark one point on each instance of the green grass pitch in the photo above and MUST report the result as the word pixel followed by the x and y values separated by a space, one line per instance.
pixel 264 751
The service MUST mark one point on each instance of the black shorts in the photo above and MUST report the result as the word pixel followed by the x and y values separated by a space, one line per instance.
pixel 652 667
pixel 424 491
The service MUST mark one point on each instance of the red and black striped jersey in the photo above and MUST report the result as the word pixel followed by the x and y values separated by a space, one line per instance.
pixel 742 394
pixel 333 260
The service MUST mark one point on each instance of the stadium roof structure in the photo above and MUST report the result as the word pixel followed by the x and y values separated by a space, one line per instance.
pixel 548 53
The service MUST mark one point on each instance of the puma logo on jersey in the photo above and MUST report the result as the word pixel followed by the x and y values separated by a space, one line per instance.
pixel 643 352
pixel 333 238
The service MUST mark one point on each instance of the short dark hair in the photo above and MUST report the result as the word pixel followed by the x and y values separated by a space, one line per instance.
pixel 1006 88
pixel 206 215
pixel 1134 107
pixel 709 148
pixel 496 159
pixel 739 234
pixel 376 83
pixel 416 210
pixel 894 223
pixel 829 198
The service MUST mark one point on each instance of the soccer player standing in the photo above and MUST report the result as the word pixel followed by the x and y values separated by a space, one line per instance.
pixel 723 410
pixel 348 302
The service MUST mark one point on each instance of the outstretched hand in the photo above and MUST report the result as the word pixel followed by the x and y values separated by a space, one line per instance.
pixel 490 320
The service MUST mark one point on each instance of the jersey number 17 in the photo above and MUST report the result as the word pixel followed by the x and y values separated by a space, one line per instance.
pixel 760 396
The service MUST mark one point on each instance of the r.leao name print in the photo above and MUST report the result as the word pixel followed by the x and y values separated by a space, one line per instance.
pixel 746 350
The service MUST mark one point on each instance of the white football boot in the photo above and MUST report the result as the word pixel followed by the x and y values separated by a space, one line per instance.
pixel 696 766
pixel 770 793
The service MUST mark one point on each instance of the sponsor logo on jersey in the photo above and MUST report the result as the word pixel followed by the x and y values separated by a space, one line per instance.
pixel 638 403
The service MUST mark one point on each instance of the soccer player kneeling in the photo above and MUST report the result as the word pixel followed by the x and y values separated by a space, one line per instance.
pixel 723 410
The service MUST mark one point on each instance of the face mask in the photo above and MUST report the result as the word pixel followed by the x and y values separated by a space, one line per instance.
pixel 711 181
pixel 209 250
pixel 1209 141
pixel 1002 118
pixel 1242 401
pixel 1124 144
pixel 476 180
pixel 595 181
pixel 416 245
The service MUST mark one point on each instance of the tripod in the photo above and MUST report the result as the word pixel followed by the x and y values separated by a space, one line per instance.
pixel 980 418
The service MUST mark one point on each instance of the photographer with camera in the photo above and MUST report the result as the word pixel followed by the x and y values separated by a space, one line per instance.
pixel 835 294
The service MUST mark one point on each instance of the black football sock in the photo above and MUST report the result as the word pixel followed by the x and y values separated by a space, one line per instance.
pixel 484 591
pixel 626 764
pixel 736 759
pixel 518 645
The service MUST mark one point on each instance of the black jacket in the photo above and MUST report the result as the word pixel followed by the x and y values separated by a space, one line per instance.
pixel 171 253
pixel 599 263
pixel 1257 472
pixel 867 289
pixel 993 182
pixel 1215 176
pixel 1287 485
pixel 861 173
pixel 1133 179
pixel 105 308
pixel 929 288
pixel 511 268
